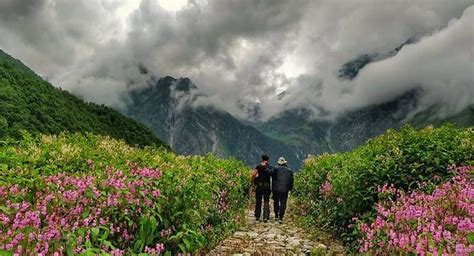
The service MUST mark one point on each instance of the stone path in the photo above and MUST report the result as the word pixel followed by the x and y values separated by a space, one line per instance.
pixel 273 238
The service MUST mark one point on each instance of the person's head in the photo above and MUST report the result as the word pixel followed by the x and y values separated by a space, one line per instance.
pixel 265 158
pixel 281 161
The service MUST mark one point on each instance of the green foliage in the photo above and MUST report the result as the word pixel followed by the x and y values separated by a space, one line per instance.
pixel 191 187
pixel 27 102
pixel 333 188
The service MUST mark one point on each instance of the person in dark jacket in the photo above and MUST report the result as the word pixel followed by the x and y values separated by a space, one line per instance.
pixel 282 183
pixel 262 189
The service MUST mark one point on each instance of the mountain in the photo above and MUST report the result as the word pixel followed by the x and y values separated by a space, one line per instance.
pixel 464 118
pixel 347 132
pixel 307 136
pixel 351 69
pixel 27 102
pixel 354 128
pixel 176 112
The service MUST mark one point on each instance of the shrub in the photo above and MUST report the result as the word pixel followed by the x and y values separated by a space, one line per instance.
pixel 332 189
pixel 92 194
pixel 437 223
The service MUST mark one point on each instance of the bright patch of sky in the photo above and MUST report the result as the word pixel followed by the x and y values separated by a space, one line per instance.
pixel 172 5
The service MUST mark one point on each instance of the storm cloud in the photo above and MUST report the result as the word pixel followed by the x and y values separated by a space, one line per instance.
pixel 242 53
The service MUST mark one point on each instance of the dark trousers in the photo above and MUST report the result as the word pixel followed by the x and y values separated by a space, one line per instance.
pixel 279 203
pixel 262 193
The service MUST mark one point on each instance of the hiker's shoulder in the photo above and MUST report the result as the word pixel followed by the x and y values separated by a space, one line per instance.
pixel 279 167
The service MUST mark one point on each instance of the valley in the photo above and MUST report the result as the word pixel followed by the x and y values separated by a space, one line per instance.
pixel 236 127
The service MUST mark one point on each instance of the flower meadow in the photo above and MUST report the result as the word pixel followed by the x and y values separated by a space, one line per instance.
pixel 340 191
pixel 436 223
pixel 86 194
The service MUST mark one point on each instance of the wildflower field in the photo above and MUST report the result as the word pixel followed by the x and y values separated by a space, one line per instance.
pixel 436 223
pixel 87 194
pixel 405 192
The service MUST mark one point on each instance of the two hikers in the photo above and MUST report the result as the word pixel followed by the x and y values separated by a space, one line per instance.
pixel 281 179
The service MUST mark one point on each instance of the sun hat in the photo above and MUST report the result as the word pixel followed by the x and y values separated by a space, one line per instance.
pixel 281 160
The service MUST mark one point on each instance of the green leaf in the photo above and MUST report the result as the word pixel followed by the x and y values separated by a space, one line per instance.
pixel 187 244
pixel 94 232
pixel 88 244
pixel 69 250
pixel 5 253
pixel 182 248
pixel 5 209
pixel 470 238
pixel 109 244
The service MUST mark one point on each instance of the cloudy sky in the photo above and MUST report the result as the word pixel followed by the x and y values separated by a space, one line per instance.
pixel 245 51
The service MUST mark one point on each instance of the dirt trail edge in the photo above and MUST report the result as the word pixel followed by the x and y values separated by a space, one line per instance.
pixel 273 238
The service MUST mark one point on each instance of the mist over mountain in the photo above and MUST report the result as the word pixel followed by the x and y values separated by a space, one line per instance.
pixel 242 52
pixel 313 76
pixel 179 114
pixel 351 69
pixel 314 135
pixel 174 110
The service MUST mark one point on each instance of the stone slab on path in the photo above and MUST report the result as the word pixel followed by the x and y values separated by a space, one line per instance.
pixel 271 238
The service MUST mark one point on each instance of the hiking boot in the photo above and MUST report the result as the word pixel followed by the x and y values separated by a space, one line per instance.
pixel 280 221
pixel 265 221
pixel 257 219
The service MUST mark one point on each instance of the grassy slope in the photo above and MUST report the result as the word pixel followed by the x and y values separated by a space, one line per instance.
pixel 27 102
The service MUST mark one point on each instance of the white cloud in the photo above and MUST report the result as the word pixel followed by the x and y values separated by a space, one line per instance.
pixel 172 5
pixel 238 51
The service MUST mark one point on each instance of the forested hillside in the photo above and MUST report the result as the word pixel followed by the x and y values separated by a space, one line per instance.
pixel 27 102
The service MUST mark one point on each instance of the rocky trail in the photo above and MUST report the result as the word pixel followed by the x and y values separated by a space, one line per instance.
pixel 273 238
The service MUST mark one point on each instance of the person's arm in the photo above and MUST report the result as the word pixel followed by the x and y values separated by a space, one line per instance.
pixel 291 180
pixel 253 175
pixel 271 170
